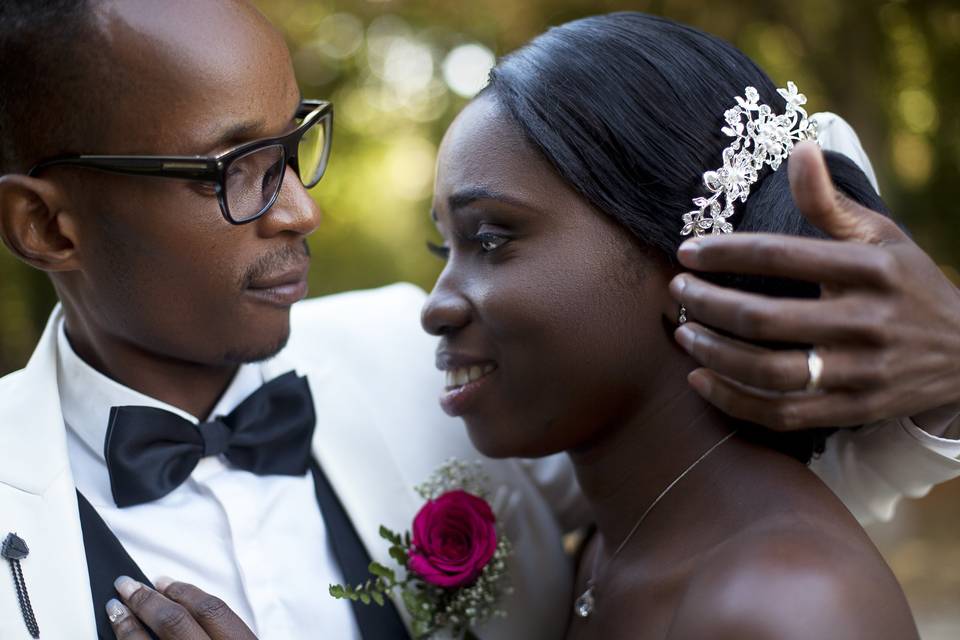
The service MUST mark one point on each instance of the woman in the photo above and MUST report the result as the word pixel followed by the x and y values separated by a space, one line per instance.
pixel 559 195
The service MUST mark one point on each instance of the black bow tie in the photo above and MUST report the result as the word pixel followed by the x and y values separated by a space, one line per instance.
pixel 150 452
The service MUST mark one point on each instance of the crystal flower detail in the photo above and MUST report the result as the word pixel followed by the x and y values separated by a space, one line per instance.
pixel 761 138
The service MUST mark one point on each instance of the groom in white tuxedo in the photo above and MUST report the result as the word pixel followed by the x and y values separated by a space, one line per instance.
pixel 177 304
pixel 179 318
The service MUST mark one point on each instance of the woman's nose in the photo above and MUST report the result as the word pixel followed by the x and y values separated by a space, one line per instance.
pixel 445 310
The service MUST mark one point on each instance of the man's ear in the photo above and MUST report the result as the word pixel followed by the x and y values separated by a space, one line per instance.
pixel 35 226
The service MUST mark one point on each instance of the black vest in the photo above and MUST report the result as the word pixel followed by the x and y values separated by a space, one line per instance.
pixel 107 560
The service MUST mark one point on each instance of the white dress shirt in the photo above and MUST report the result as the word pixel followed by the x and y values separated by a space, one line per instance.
pixel 874 467
pixel 241 537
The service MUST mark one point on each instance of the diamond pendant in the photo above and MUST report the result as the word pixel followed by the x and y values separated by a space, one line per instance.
pixel 583 607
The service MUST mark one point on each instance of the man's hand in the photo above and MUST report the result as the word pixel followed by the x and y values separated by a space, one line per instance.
pixel 887 325
pixel 176 611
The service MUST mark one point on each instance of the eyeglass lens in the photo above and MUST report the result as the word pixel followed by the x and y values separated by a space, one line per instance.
pixel 254 179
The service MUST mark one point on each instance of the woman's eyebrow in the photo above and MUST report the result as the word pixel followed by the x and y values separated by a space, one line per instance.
pixel 465 197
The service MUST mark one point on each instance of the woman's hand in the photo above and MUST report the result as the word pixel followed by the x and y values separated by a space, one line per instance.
pixel 887 325
pixel 175 611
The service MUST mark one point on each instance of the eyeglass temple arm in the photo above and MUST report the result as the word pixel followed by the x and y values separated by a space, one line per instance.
pixel 205 169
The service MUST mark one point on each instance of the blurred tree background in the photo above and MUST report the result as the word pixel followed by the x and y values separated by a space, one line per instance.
pixel 399 70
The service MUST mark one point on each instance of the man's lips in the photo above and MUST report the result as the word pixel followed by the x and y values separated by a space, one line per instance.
pixel 282 288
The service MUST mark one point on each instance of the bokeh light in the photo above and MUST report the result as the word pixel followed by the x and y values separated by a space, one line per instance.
pixel 466 69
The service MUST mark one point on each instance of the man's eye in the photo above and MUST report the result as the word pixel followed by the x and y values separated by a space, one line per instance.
pixel 205 188
pixel 490 241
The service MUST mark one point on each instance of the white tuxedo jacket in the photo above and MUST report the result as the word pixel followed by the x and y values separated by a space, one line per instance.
pixel 379 433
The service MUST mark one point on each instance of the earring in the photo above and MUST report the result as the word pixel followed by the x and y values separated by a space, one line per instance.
pixel 683 315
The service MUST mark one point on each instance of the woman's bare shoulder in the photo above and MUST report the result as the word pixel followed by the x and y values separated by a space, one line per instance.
pixel 790 579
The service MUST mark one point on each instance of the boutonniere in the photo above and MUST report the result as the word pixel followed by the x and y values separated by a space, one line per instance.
pixel 453 569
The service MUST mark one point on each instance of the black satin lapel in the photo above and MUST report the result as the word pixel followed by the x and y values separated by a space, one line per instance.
pixel 107 560
pixel 376 623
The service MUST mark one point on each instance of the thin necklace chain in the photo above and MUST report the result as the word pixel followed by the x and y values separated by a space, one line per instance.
pixel 592 582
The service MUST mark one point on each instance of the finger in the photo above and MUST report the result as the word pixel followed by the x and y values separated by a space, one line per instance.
pixel 753 316
pixel 125 625
pixel 786 412
pixel 778 370
pixel 216 618
pixel 168 619
pixel 745 363
pixel 783 256
pixel 828 209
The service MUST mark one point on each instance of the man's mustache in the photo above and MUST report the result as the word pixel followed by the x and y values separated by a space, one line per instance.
pixel 274 262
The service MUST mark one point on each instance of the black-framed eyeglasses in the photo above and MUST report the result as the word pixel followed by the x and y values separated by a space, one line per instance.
pixel 247 178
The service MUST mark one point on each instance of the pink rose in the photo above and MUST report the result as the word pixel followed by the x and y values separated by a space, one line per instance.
pixel 453 539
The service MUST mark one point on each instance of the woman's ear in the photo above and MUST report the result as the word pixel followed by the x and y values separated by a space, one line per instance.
pixel 35 226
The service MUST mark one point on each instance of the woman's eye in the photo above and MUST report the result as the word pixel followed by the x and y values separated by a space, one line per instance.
pixel 490 241
pixel 439 250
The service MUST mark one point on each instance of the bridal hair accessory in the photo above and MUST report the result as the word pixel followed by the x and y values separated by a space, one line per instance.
pixel 454 568
pixel 761 138
pixel 585 604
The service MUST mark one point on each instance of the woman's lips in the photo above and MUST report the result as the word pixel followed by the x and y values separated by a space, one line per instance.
pixel 464 385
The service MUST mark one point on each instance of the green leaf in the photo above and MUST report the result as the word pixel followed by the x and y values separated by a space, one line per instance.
pixel 364 598
pixel 412 603
pixel 399 554
pixel 377 597
pixel 378 569
pixel 336 591
pixel 389 535
pixel 422 629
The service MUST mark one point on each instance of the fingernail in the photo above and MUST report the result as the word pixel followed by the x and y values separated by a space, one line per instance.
pixel 677 285
pixel 126 586
pixel 684 335
pixel 689 253
pixel 115 610
pixel 162 582
pixel 700 383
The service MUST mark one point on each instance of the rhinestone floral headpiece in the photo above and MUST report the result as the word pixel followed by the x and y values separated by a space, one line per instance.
pixel 761 138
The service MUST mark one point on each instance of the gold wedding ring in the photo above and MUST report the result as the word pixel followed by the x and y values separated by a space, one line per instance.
pixel 815 368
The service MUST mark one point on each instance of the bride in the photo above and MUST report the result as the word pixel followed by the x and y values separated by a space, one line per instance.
pixel 560 196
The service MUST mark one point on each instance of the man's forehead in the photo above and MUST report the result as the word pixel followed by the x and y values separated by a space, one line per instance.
pixel 187 74
pixel 181 19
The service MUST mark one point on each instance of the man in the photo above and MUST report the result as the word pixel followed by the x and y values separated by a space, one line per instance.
pixel 178 307
pixel 168 288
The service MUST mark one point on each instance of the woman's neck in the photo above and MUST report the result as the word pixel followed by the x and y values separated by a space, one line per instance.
pixel 624 471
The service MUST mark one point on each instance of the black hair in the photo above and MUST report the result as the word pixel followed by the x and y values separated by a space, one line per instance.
pixel 50 58
pixel 628 109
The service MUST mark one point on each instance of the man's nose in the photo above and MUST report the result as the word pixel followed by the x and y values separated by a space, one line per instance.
pixel 293 212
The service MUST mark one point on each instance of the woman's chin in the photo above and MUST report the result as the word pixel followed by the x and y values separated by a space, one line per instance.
pixel 497 440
